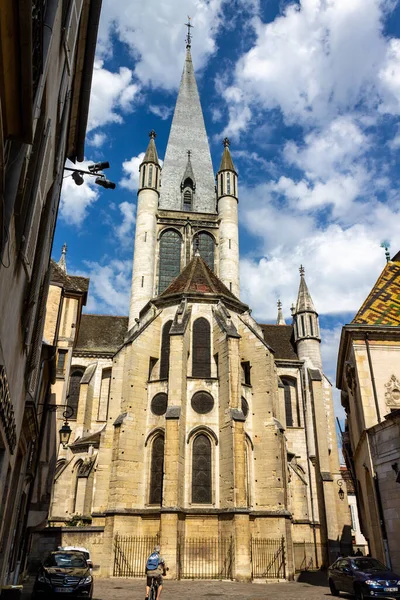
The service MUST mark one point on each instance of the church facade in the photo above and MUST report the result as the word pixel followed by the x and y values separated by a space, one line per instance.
pixel 193 424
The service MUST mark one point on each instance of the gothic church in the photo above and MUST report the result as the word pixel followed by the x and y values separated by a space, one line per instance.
pixel 193 424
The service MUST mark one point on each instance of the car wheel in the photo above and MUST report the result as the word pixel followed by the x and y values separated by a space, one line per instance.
pixel 333 589
pixel 359 594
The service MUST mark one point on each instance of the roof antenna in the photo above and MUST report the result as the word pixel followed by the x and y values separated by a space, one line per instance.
pixel 189 35
pixel 386 245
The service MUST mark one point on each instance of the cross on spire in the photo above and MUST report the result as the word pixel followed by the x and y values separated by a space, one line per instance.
pixel 189 153
pixel 189 35
pixel 302 271
pixel 152 134
pixel 226 142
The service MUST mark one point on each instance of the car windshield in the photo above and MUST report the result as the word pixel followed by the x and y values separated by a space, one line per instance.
pixel 65 559
pixel 365 564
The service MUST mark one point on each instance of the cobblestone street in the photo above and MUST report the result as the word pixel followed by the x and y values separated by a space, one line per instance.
pixel 134 589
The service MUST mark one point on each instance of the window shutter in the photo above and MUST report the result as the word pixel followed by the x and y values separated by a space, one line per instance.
pixel 157 471
pixel 201 474
pixel 71 34
pixel 165 348
pixel 201 348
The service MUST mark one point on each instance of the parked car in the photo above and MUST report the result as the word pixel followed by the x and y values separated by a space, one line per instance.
pixel 364 577
pixel 64 572
pixel 84 551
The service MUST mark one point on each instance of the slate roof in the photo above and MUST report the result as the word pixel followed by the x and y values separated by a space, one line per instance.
pixel 92 439
pixel 280 339
pixel 151 153
pixel 68 282
pixel 304 300
pixel 101 333
pixel 226 161
pixel 382 306
pixel 197 277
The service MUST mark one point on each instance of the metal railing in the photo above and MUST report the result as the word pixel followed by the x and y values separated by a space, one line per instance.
pixel 268 558
pixel 206 558
pixel 131 553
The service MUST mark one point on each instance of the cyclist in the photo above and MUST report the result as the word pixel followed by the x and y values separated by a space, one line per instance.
pixel 155 567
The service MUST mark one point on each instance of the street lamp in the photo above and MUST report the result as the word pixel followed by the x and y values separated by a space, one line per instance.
pixel 340 492
pixel 94 170
pixel 65 430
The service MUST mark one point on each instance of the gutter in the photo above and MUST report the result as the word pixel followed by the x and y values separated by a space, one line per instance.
pixel 87 75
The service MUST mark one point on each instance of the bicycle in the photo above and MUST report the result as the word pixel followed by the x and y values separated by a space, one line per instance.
pixel 155 585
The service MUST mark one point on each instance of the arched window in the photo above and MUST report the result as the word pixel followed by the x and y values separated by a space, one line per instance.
pixel 291 402
pixel 157 471
pixel 206 247
pixel 170 258
pixel 201 470
pixel 187 200
pixel 74 389
pixel 165 346
pixel 201 348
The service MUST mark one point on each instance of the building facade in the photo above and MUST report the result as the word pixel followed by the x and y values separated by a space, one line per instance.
pixel 195 425
pixel 46 61
pixel 368 376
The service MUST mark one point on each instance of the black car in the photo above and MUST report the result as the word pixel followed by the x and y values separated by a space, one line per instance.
pixel 65 573
pixel 364 577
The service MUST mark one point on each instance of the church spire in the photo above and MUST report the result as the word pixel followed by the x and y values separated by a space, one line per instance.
pixel 62 263
pixel 188 132
pixel 151 152
pixel 306 326
pixel 280 320
pixel 304 300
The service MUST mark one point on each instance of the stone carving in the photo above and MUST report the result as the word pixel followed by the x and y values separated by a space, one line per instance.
pixel 7 411
pixel 392 394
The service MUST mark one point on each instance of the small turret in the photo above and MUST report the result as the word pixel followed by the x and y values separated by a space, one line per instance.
pixel 227 196
pixel 62 263
pixel 149 170
pixel 306 326
pixel 280 320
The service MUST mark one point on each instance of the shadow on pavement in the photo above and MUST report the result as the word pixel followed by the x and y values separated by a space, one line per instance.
pixel 319 578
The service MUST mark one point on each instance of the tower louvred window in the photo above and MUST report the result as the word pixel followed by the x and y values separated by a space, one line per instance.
pixel 187 200
pixel 206 247
pixel 165 348
pixel 228 183
pixel 150 176
pixel 201 474
pixel 157 470
pixel 201 348
pixel 170 258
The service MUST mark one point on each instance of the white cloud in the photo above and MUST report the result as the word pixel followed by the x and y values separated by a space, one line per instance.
pixel 131 169
pixel 124 231
pixel 110 285
pixel 164 112
pixel 111 93
pixel 97 140
pixel 75 199
pixel 319 59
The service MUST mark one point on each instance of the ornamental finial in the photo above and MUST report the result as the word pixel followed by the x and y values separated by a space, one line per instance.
pixel 152 134
pixel 226 142
pixel 189 35
pixel 386 245
pixel 302 271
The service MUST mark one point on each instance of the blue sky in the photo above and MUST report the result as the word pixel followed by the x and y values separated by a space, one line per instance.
pixel 308 93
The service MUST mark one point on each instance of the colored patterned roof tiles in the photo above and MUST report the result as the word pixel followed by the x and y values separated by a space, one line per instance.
pixel 382 306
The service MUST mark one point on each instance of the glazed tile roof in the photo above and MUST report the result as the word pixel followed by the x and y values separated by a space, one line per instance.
pixel 101 333
pixel 382 306
pixel 197 277
pixel 69 282
pixel 280 339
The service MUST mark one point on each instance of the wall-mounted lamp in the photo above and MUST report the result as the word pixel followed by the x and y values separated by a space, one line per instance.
pixel 65 430
pixel 340 492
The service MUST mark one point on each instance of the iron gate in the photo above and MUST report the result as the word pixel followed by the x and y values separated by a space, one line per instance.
pixel 205 558
pixel 268 558
pixel 130 554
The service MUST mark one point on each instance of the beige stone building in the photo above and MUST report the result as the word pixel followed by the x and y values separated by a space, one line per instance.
pixel 46 60
pixel 195 425
pixel 369 376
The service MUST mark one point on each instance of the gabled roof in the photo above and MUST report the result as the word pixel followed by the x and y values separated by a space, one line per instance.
pixel 382 306
pixel 72 283
pixel 101 333
pixel 280 339
pixel 198 278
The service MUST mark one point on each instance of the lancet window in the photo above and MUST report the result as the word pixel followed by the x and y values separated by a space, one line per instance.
pixel 205 244
pixel 291 402
pixel 165 348
pixel 157 470
pixel 170 258
pixel 201 348
pixel 201 470
pixel 188 190
pixel 74 389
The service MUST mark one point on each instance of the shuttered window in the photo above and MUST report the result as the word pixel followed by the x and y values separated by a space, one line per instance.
pixel 170 258
pixel 201 474
pixel 157 471
pixel 74 389
pixel 201 348
pixel 206 247
pixel 165 347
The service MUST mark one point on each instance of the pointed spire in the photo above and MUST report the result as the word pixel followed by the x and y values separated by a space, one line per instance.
pixel 304 300
pixel 151 152
pixel 188 131
pixel 226 161
pixel 62 263
pixel 280 320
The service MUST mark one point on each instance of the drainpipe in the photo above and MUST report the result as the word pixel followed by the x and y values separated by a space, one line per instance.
pixel 371 370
